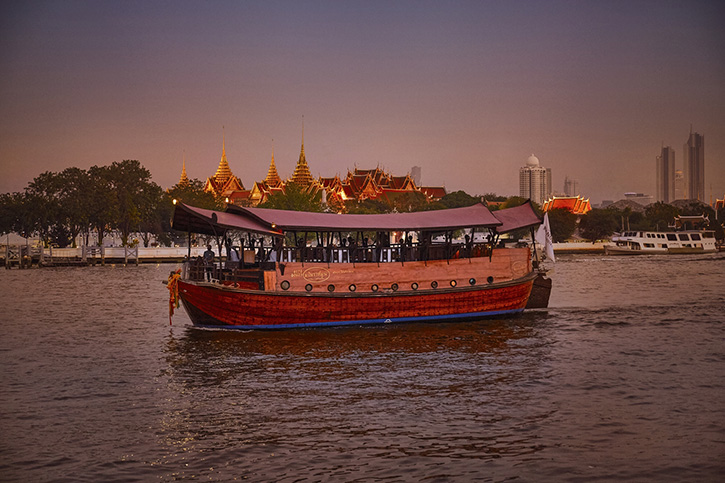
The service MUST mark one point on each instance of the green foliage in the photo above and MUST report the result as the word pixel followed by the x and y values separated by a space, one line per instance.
pixel 367 207
pixel 193 194
pixel 60 206
pixel 407 202
pixel 598 224
pixel 493 197
pixel 458 199
pixel 137 197
pixel 563 224
pixel 660 215
pixel 295 198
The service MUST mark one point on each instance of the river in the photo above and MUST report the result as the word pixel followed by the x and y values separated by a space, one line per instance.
pixel 623 378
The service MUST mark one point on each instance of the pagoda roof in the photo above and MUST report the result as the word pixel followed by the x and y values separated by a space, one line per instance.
pixel 433 192
pixel 573 204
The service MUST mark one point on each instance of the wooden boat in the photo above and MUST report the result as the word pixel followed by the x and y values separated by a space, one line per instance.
pixel 352 273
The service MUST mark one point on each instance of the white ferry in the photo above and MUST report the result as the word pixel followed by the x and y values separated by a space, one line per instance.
pixel 667 242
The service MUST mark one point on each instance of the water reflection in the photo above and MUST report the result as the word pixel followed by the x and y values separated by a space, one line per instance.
pixel 197 350
pixel 453 390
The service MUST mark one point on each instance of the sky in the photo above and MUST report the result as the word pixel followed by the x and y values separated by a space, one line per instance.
pixel 465 90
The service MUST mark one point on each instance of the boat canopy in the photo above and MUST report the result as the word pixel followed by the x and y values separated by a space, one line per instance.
pixel 275 222
pixel 522 216
pixel 211 222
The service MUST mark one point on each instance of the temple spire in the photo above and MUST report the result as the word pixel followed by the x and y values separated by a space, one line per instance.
pixel 273 180
pixel 302 175
pixel 184 180
pixel 223 172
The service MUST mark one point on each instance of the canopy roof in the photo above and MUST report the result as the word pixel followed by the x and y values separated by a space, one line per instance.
pixel 210 222
pixel 518 217
pixel 476 215
pixel 274 222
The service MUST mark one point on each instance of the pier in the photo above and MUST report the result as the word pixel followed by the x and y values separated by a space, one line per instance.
pixel 27 256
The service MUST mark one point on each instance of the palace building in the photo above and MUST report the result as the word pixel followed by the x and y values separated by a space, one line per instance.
pixel 223 183
pixel 359 184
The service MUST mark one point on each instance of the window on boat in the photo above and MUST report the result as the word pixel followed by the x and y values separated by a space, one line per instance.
pixel 663 245
pixel 684 237
pixel 695 236
pixel 649 245
pixel 672 237
pixel 649 235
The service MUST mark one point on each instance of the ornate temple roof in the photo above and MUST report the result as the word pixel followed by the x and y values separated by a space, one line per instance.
pixel 184 180
pixel 573 204
pixel 302 175
pixel 223 180
pixel 272 178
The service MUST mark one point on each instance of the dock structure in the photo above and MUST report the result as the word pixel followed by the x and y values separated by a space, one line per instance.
pixel 25 256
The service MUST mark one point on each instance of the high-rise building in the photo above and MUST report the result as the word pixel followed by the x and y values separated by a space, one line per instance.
pixel 415 173
pixel 535 181
pixel 571 187
pixel 680 193
pixel 666 175
pixel 695 166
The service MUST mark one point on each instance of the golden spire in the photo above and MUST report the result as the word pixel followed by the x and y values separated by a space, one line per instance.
pixel 302 175
pixel 184 179
pixel 273 180
pixel 223 172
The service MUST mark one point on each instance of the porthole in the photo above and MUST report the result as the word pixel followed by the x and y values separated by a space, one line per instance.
pixel 453 283
pixel 394 287
pixel 489 279
pixel 472 281
pixel 374 287
pixel 414 286
pixel 352 287
pixel 284 285
pixel 434 284
pixel 308 287
pixel 331 288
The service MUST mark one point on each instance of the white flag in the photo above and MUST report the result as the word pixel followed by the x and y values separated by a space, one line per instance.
pixel 543 237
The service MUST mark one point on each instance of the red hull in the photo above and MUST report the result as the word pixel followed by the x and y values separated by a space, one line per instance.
pixel 212 305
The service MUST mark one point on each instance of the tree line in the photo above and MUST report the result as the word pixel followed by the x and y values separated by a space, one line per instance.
pixel 601 223
pixel 122 198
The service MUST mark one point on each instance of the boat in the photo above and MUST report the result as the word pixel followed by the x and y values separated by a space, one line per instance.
pixel 301 269
pixel 685 239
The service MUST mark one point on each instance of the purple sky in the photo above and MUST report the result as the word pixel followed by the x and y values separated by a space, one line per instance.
pixel 466 90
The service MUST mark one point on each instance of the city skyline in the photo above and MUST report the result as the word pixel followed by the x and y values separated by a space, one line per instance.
pixel 464 91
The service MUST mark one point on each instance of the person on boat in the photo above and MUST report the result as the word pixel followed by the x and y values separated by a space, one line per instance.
pixel 276 253
pixel 208 262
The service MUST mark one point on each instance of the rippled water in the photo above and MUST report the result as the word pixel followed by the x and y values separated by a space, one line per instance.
pixel 623 378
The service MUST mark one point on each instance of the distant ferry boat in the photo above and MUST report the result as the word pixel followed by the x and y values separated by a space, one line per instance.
pixel 665 242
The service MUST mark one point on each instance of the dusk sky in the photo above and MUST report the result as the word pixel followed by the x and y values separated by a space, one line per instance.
pixel 465 90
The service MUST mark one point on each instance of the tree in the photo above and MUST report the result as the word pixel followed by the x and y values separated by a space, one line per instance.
pixel 192 193
pixel 407 201
pixel 103 211
pixel 563 224
pixel 7 217
pixel 136 196
pixel 458 199
pixel 598 224
pixel 660 215
pixel 366 207
pixel 295 198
